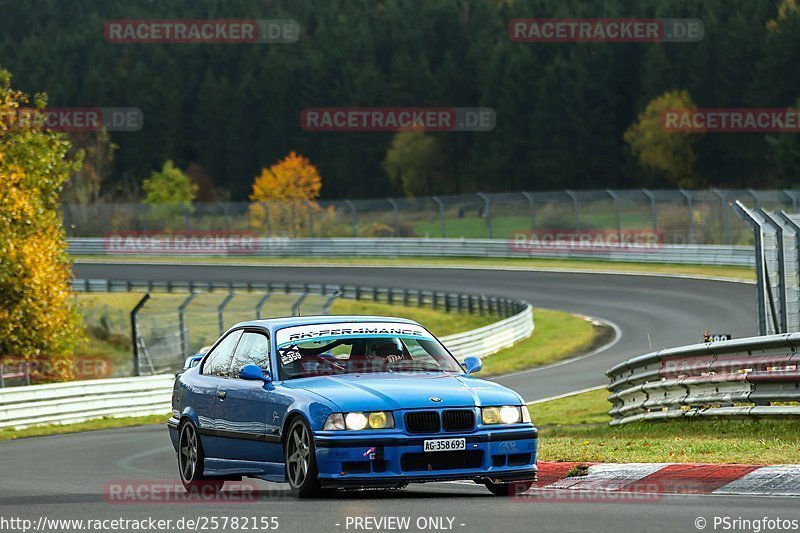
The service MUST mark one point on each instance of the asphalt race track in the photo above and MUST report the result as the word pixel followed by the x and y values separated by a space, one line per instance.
pixel 68 476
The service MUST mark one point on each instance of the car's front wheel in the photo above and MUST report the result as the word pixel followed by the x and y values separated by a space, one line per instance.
pixel 508 489
pixel 190 462
pixel 301 460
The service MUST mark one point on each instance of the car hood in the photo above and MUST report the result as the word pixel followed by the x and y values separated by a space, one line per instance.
pixel 359 392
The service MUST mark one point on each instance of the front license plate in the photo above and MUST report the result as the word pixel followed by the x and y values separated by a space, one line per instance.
pixel 445 445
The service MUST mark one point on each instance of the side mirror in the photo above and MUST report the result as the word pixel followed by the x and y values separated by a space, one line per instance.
pixel 192 361
pixel 254 373
pixel 472 365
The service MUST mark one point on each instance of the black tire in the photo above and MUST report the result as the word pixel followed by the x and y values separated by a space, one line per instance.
pixel 191 462
pixel 301 460
pixel 508 489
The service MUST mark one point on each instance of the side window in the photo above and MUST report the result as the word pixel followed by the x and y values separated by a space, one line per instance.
pixel 219 360
pixel 252 350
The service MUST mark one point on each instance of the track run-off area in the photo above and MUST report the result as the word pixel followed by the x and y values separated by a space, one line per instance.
pixel 68 476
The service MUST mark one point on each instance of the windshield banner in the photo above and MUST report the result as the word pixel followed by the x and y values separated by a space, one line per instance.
pixel 293 335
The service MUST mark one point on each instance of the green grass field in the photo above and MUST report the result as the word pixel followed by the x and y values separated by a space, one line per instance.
pixel 576 429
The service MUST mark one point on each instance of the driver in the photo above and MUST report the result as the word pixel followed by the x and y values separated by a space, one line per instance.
pixel 390 352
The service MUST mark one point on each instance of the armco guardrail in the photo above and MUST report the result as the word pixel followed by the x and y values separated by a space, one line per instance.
pixel 756 376
pixel 66 403
pixel 77 401
pixel 727 255
pixel 492 338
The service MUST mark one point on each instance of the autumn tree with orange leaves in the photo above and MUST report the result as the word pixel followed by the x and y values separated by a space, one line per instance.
pixel 284 196
pixel 39 325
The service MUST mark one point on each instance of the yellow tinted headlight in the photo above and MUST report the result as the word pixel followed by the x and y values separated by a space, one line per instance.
pixel 490 415
pixel 381 420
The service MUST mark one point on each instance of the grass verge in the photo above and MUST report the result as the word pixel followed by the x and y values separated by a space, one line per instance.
pixel 576 429
pixel 729 272
pixel 90 425
pixel 557 335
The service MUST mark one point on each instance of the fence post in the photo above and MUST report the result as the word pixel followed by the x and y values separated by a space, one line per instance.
pixel 297 304
pixel 487 212
pixel 756 197
pixel 135 332
pixel 793 198
pixel 310 218
pixel 396 211
pixel 186 225
pixel 182 323
pixel 653 208
pixel 528 196
pixel 724 205
pixel 331 299
pixel 221 311
pixel 2 378
pixel 690 207
pixel 575 209
pixel 440 206
pixel 227 219
pixel 266 218
pixel 615 198
pixel 354 213
pixel 261 303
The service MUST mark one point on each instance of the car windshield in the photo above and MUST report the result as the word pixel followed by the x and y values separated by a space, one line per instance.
pixel 360 348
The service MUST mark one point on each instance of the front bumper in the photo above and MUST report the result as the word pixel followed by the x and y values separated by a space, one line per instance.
pixel 395 459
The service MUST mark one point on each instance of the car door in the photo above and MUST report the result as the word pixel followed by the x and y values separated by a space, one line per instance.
pixel 206 393
pixel 249 423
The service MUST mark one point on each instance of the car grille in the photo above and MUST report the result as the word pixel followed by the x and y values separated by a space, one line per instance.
pixel 422 422
pixel 415 462
pixel 461 420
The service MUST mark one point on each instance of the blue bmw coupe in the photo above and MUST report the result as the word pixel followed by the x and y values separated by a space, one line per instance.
pixel 345 402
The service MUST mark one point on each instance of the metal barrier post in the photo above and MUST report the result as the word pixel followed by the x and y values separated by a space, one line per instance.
pixel 310 218
pixel 653 208
pixel 528 196
pixel 261 303
pixel 396 216
pixel 182 323
pixel 575 209
pixel 354 213
pixel 221 311
pixel 615 198
pixel 690 207
pixel 135 332
pixel 297 304
pixel 724 206
pixel 440 206
pixel 487 212
pixel 265 205
pixel 331 299
pixel 793 198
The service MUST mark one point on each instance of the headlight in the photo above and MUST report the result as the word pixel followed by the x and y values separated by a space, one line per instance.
pixel 334 421
pixel 359 421
pixel 526 415
pixel 508 414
